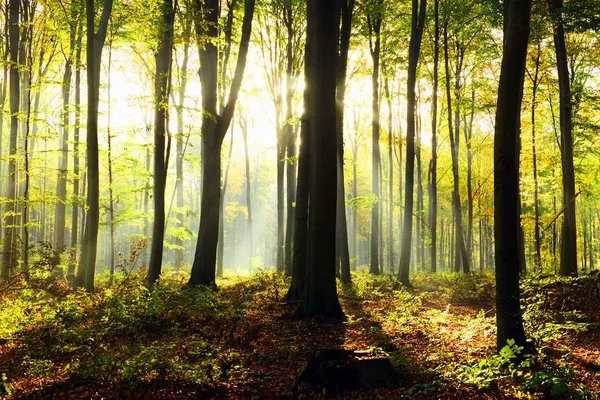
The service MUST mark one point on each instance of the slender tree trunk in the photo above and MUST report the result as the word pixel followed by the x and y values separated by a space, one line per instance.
pixel 509 320
pixel 568 254
pixel 248 198
pixel 95 43
pixel 461 251
pixel 214 127
pixel 346 8
pixel 468 131
pixel 163 59
pixel 221 242
pixel 433 164
pixel 9 255
pixel 391 179
pixel 76 205
pixel 418 23
pixel 179 252
pixel 536 198
pixel 375 34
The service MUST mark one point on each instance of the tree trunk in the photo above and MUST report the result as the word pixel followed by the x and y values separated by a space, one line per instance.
pixel 179 252
pixel 416 34
pixel 568 254
pixel 76 205
pixel 375 33
pixel 161 98
pixel 461 251
pixel 320 295
pixel 346 8
pixel 536 198
pixel 509 320
pixel 248 198
pixel 214 127
pixel 9 251
pixel 95 43
pixel 433 164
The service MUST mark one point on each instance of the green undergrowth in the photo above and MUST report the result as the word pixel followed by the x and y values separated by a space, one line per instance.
pixel 443 328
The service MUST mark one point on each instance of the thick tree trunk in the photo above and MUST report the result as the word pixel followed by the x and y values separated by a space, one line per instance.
pixel 509 320
pixel 418 23
pixel 320 295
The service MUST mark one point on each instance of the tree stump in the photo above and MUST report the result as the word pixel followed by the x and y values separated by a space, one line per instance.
pixel 337 370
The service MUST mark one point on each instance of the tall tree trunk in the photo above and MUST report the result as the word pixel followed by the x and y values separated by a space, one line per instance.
pixel 375 34
pixel 61 186
pixel 179 252
pixel 214 127
pixel 433 163
pixel 461 251
pixel 76 205
pixel 221 242
pixel 111 205
pixel 299 275
pixel 9 251
pixel 248 198
pixel 95 43
pixel 509 320
pixel 161 103
pixel 391 179
pixel 536 198
pixel 320 295
pixel 346 8
pixel 416 34
pixel 568 254
pixel 468 131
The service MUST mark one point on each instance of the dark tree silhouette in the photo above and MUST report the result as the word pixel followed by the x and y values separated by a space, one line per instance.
pixel 509 320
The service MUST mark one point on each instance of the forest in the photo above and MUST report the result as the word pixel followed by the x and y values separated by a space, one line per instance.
pixel 353 199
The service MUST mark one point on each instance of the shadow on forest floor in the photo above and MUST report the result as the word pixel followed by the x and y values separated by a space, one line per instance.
pixel 239 342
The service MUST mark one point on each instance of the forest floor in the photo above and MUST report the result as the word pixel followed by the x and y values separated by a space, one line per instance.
pixel 125 342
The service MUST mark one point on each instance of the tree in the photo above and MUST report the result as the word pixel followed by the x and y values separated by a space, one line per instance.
pixel 346 8
pixel 509 320
pixel 568 253
pixel 433 198
pixel 9 251
pixel 214 127
pixel 163 59
pixel 95 43
pixel 374 21
pixel 320 294
pixel 414 49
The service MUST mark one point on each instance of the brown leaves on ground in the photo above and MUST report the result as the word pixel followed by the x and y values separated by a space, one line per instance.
pixel 240 342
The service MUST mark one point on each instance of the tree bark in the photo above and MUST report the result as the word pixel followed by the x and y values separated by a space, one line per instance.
pixel 161 103
pixel 95 43
pixel 433 165
pixel 416 34
pixel 509 321
pixel 568 254
pixel 346 8
pixel 214 127
pixel 9 251
pixel 375 33
pixel 320 295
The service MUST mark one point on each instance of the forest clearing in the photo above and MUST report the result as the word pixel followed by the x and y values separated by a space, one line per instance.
pixel 126 342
